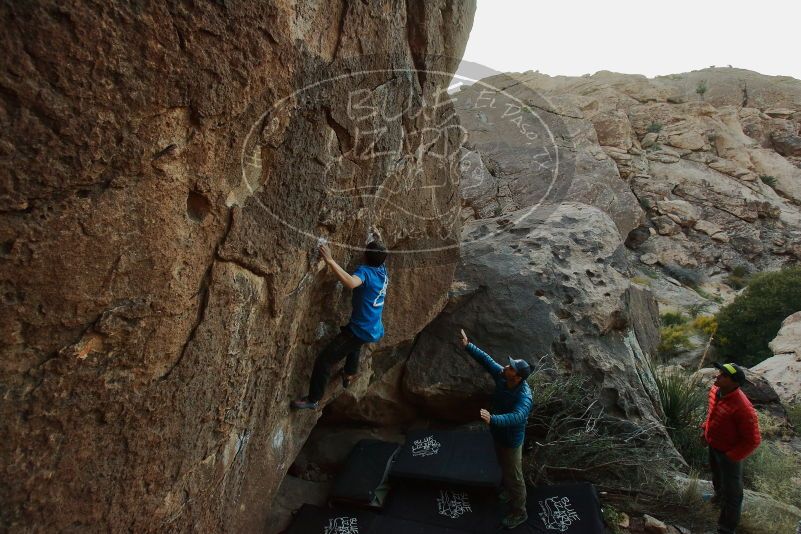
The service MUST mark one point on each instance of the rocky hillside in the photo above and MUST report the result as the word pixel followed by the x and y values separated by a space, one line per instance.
pixel 713 158
pixel 167 169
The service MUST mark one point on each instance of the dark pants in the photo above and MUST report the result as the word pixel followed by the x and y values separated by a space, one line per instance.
pixel 727 478
pixel 345 345
pixel 514 484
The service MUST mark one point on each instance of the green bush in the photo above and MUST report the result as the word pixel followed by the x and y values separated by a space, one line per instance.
pixel 768 180
pixel 612 518
pixel 747 325
pixel 738 278
pixel 794 416
pixel 673 318
pixel 654 127
pixel 674 340
pixel 695 309
pixel 701 88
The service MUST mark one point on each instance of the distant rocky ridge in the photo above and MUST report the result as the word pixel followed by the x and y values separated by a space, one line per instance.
pixel 717 175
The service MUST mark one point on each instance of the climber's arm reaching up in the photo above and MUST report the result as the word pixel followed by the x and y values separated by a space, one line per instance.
pixel 348 280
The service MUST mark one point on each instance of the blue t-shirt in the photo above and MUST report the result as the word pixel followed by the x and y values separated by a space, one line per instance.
pixel 368 303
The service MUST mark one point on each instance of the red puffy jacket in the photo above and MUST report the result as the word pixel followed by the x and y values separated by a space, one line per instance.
pixel 731 424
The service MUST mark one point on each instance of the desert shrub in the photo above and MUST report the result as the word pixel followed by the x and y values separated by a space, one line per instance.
pixel 738 278
pixel 673 341
pixel 612 518
pixel 654 127
pixel 673 318
pixel 705 324
pixel 683 403
pixel 767 520
pixel 687 276
pixel 747 325
pixel 774 470
pixel 701 88
pixel 794 416
pixel 769 426
pixel 695 309
pixel 768 180
pixel 575 437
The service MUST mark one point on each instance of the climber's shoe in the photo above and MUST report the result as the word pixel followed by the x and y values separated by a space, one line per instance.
pixel 305 404
pixel 513 520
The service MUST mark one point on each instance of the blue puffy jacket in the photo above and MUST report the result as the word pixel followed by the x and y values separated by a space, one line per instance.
pixel 510 407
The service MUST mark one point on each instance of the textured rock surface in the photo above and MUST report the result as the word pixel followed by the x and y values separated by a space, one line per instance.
pixel 556 286
pixel 165 315
pixel 718 177
pixel 783 369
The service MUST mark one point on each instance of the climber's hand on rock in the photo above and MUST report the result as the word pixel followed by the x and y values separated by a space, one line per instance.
pixel 485 416
pixel 325 253
pixel 463 341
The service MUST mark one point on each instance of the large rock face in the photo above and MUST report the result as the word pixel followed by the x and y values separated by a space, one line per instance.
pixel 165 176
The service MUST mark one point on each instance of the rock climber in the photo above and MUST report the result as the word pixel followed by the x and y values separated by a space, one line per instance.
pixel 511 404
pixel 369 285
pixel 731 430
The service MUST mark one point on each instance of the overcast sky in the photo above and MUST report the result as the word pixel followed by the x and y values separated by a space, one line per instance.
pixel 575 37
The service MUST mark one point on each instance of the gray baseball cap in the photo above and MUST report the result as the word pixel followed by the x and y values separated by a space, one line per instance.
pixel 521 367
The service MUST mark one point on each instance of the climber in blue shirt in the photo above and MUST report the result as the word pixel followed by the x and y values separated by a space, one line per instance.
pixel 511 404
pixel 369 285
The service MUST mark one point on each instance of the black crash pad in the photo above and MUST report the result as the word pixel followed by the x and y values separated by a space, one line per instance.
pixel 312 519
pixel 569 509
pixel 457 457
pixel 362 481
pixel 443 505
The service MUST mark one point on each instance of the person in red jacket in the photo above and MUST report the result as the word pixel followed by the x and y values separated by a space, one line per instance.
pixel 731 430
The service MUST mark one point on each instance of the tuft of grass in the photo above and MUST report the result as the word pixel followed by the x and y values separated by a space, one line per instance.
pixel 612 518
pixel 694 310
pixel 794 416
pixel 769 426
pixel 738 278
pixel 673 318
pixel 654 127
pixel 768 180
pixel 776 471
pixel 683 403
pixel 756 520
pixel 707 295
pixel 701 88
